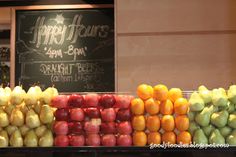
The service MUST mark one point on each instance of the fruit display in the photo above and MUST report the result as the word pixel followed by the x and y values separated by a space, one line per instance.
pixel 213 116
pixel 160 116
pixel 92 120
pixel 26 118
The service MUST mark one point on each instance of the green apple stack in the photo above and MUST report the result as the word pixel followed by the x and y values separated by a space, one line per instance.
pixel 213 116
pixel 26 118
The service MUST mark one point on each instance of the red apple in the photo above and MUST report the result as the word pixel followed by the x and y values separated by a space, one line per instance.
pixel 123 101
pixel 62 114
pixel 108 128
pixel 107 100
pixel 77 140
pixel 91 128
pixel 60 101
pixel 76 114
pixel 91 100
pixel 108 115
pixel 61 141
pixel 93 140
pixel 92 112
pixel 108 140
pixel 123 114
pixel 124 140
pixel 76 100
pixel 60 128
pixel 76 128
pixel 124 128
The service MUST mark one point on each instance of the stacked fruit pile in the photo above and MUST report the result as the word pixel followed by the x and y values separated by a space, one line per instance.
pixel 159 115
pixel 92 120
pixel 213 116
pixel 26 118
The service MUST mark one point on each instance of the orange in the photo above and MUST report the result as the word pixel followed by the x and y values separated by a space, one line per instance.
pixel 138 123
pixel 139 138
pixel 166 107
pixel 169 137
pixel 184 137
pixel 160 92
pixel 153 123
pixel 152 106
pixel 174 94
pixel 168 123
pixel 181 106
pixel 137 106
pixel 154 137
pixel 144 91
pixel 182 122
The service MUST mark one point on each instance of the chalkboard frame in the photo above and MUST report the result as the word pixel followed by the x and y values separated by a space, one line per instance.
pixel 53 7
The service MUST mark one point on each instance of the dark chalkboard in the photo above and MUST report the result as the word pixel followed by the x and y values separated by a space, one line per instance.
pixel 72 49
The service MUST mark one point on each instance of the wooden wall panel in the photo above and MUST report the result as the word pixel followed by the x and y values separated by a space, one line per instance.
pixel 5 16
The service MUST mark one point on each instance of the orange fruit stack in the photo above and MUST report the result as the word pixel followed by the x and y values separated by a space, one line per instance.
pixel 160 116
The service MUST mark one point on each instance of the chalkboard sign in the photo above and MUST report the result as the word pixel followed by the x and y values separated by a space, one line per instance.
pixel 72 49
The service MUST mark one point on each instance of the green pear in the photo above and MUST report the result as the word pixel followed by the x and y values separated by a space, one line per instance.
pixel 46 114
pixel 219 98
pixel 219 119
pixel 39 131
pixel 16 139
pixel 232 94
pixel 225 131
pixel 193 127
pixel 24 129
pixel 4 140
pixel 231 139
pixel 4 99
pixel 230 107
pixel 232 120
pixel 10 129
pixel 48 94
pixel 32 119
pixel 196 102
pixel 216 137
pixel 203 117
pixel 17 117
pixel 17 95
pixel 205 94
pixel 31 140
pixel 4 120
pixel 208 129
pixel 46 140
pixel 199 137
pixel 191 115
pixel 9 108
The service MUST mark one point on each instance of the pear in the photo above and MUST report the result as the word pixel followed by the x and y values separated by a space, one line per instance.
pixel 4 140
pixel 219 119
pixel 203 118
pixel 205 94
pixel 4 120
pixel 191 115
pixel 37 107
pixel 39 131
pixel 46 140
pixel 230 107
pixel 24 129
pixel 31 140
pixel 8 91
pixel 193 127
pixel 9 108
pixel 32 119
pixel 48 94
pixel 216 137
pixel 232 120
pixel 10 129
pixel 219 97
pixel 17 95
pixel 46 114
pixel 4 99
pixel 208 129
pixel 24 108
pixel 196 102
pixel 232 94
pixel 225 131
pixel 16 139
pixel 231 139
pixel 199 137
pixel 33 95
pixel 17 117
